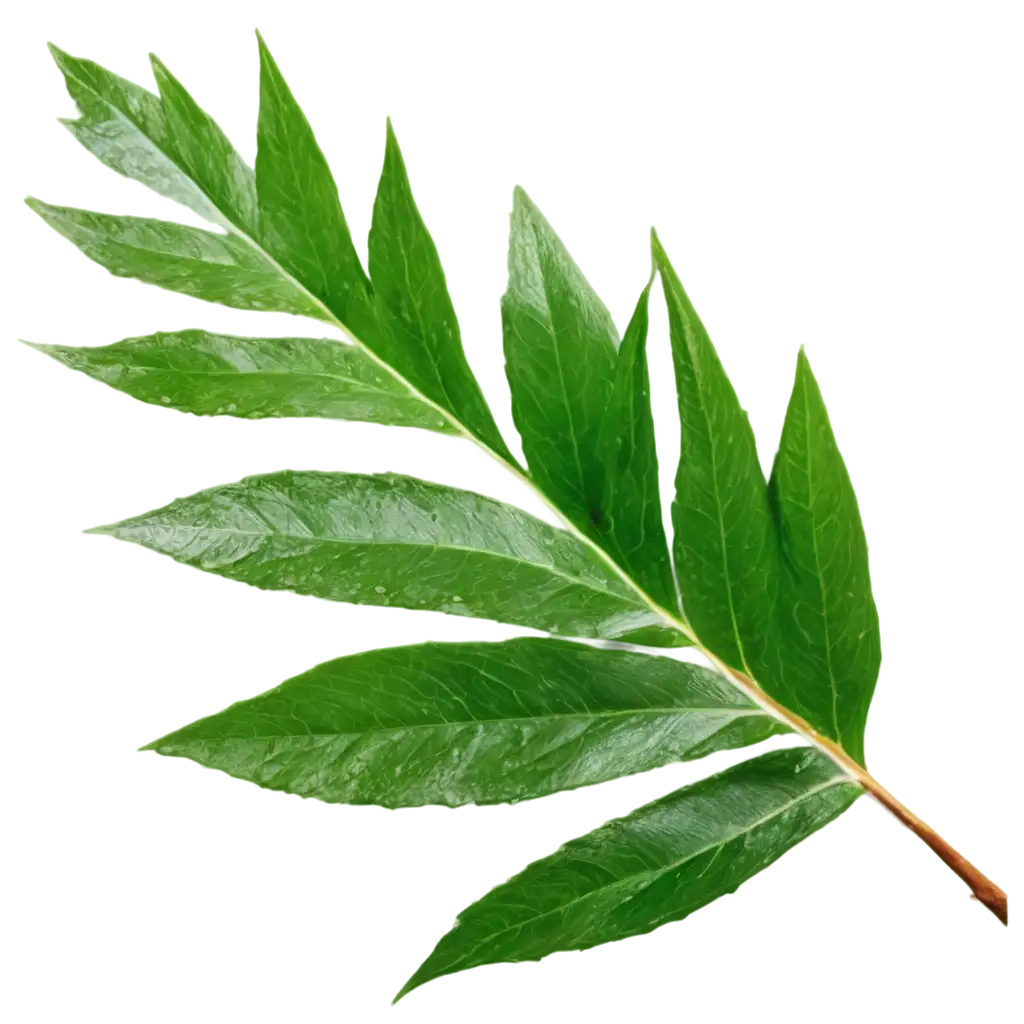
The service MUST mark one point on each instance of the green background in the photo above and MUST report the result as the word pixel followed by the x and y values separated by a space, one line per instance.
pixel 141 892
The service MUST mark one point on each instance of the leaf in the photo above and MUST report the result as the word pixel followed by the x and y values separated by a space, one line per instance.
pixel 471 723
pixel 659 864
pixel 560 352
pixel 630 525
pixel 395 541
pixel 206 265
pixel 828 616
pixel 217 374
pixel 420 332
pixel 301 221
pixel 724 545
pixel 169 144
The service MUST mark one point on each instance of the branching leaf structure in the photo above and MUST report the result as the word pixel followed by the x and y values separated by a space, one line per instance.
pixel 767 579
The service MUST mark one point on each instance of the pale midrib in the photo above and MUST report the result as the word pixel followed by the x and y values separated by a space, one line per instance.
pixel 643 876
pixel 752 691
pixel 669 712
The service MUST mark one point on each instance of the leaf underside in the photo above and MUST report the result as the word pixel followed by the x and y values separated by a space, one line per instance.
pixel 770 577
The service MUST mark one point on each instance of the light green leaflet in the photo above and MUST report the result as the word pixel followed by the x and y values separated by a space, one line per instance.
pixel 832 649
pixel 560 349
pixel 472 723
pixel 395 541
pixel 770 580
pixel 659 864
pixel 216 374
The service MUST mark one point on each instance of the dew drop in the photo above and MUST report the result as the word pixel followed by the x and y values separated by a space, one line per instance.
pixel 457 599
pixel 165 399
pixel 380 590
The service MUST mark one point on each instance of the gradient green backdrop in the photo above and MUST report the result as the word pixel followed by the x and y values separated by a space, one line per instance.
pixel 855 178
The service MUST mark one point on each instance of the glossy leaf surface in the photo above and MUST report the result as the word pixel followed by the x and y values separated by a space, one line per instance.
pixel 826 610
pixel 218 374
pixel 471 723
pixel 301 221
pixel 659 864
pixel 419 331
pixel 203 264
pixel 724 544
pixel 392 540
pixel 167 143
pixel 560 349
pixel 630 524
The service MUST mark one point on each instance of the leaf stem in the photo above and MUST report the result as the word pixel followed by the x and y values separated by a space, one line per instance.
pixel 982 887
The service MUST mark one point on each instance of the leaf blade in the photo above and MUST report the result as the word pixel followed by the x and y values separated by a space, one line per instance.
pixel 210 374
pixel 659 864
pixel 466 723
pixel 828 617
pixel 206 265
pixel 302 223
pixel 724 543
pixel 419 329
pixel 560 349
pixel 392 540
pixel 630 526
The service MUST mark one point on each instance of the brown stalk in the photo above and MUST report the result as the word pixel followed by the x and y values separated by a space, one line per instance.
pixel 986 894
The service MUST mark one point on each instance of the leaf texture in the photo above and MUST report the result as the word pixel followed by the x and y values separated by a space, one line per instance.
pixel 472 723
pixel 560 353
pixel 203 264
pixel 724 545
pixel 826 610
pixel 301 221
pixel 395 541
pixel 630 524
pixel 659 864
pixel 216 374
pixel 419 329
pixel 168 143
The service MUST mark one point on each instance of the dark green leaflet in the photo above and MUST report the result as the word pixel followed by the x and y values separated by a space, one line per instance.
pixel 393 540
pixel 724 547
pixel 419 329
pixel 472 723
pixel 560 347
pixel 203 264
pixel 659 864
pixel 301 221
pixel 630 525
pixel 827 614
pixel 217 374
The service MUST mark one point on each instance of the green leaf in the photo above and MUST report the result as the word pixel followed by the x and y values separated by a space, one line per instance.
pixel 395 541
pixel 302 223
pixel 206 265
pixel 830 625
pixel 630 525
pixel 420 332
pixel 471 723
pixel 724 545
pixel 659 864
pixel 216 374
pixel 560 352
pixel 124 126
